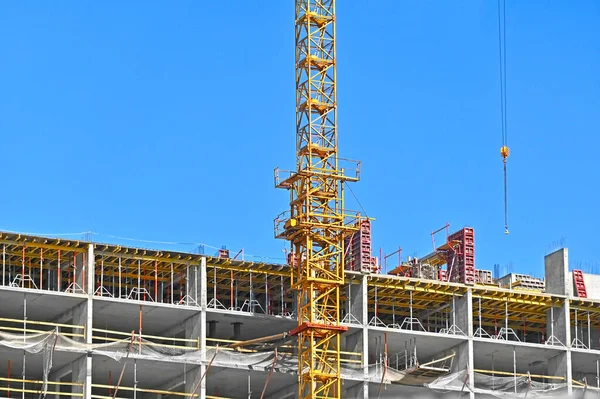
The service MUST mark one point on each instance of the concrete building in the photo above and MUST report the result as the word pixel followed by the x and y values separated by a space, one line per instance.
pixel 80 319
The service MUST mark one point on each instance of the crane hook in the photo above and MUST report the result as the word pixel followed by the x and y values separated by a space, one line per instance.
pixel 505 152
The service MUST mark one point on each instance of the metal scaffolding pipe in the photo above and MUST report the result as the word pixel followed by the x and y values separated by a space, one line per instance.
pixel 411 309
pixel 259 340
pixel 589 332
pixel 515 368
pixel 506 319
pixel 3 263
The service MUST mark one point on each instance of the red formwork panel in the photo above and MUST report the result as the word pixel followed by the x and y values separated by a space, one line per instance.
pixel 358 249
pixel 579 284
pixel 463 268
pixel 442 275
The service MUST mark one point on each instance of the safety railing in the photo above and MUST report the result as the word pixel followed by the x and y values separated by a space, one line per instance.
pixel 193 344
pixel 12 386
pixel 19 385
pixel 341 168
pixel 77 331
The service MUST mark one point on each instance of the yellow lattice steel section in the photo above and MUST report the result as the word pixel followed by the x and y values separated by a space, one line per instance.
pixel 317 222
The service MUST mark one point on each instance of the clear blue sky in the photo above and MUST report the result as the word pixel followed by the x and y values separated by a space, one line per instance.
pixel 164 120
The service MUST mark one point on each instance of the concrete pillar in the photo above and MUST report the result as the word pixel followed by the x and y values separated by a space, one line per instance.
pixel 80 275
pixel 364 311
pixel 354 306
pixel 463 361
pixel 558 321
pixel 201 287
pixel 212 328
pixel 90 271
pixel 464 312
pixel 237 330
pixel 193 329
pixel 356 391
pixel 362 302
pixel 80 318
pixel 62 374
pixel 79 376
pixel 560 365
pixel 354 342
pixel 193 284
pixel 192 379
pixel 556 267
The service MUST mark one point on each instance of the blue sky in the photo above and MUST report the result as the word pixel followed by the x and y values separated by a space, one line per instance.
pixel 164 120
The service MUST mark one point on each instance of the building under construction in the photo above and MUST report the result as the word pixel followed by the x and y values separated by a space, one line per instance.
pixel 92 320
pixel 83 319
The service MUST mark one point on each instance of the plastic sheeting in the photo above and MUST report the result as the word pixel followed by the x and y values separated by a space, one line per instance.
pixel 501 387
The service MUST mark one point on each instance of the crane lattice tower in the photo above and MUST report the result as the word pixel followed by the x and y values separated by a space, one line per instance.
pixel 317 221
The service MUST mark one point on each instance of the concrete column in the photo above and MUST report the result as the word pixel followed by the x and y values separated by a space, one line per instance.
pixel 362 302
pixel 556 267
pixel 358 341
pixel 201 287
pixel 558 321
pixel 61 374
pixel 364 311
pixel 560 365
pixel 356 391
pixel 354 342
pixel 193 283
pixel 80 318
pixel 193 330
pixel 79 375
pixel 90 271
pixel 192 379
pixel 463 361
pixel 354 293
pixel 237 330
pixel 464 352
pixel 212 329
pixel 81 275
pixel 203 306
pixel 464 312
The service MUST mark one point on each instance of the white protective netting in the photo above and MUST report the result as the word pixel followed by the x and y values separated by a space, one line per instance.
pixel 500 386
pixel 46 343
pixel 41 343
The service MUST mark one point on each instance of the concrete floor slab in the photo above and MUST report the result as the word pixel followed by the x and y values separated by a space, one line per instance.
pixel 498 355
pixel 41 305
pixel 122 315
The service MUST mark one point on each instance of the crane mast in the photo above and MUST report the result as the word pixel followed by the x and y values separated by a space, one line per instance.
pixel 317 222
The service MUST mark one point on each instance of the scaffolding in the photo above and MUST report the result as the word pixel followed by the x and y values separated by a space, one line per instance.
pixel 146 282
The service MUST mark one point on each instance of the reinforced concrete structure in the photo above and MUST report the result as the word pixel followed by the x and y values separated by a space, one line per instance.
pixel 92 320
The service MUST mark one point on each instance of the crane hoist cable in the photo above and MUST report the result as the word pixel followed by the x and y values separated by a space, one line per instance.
pixel 504 150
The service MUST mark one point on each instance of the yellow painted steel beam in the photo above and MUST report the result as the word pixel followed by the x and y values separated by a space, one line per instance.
pixel 543 302
pixel 255 269
pixel 41 242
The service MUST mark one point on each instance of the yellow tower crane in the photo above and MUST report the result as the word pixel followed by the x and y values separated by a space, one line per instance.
pixel 317 222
